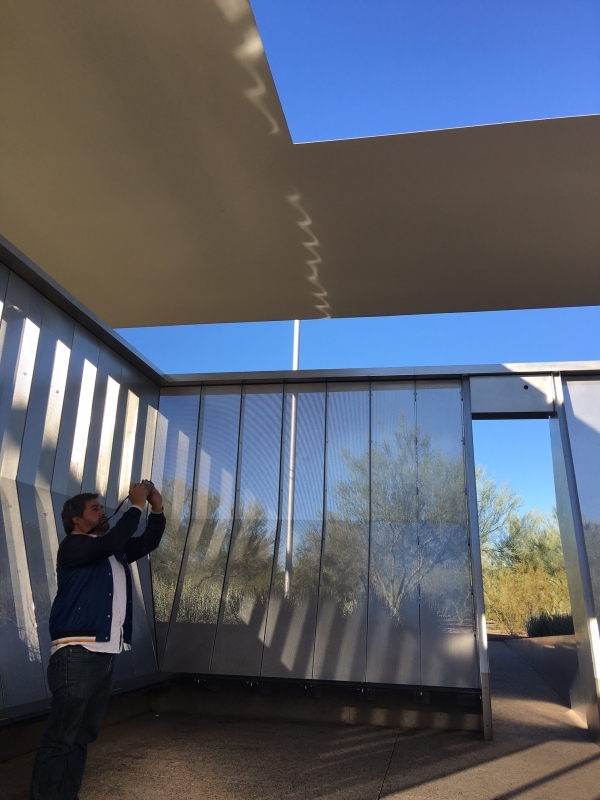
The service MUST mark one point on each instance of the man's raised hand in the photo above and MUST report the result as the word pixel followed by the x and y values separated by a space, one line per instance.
pixel 137 495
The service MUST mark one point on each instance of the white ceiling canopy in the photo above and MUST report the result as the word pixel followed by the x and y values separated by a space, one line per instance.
pixel 146 165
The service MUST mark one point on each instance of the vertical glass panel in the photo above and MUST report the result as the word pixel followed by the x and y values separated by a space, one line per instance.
pixel 173 472
pixel 582 406
pixel 448 655
pixel 194 620
pixel 240 634
pixel 393 653
pixel 340 646
pixel 144 655
pixel 291 619
pixel 141 468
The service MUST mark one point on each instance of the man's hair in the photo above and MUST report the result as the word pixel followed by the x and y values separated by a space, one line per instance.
pixel 74 507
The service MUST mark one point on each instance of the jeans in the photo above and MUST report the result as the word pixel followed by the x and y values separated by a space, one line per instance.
pixel 80 681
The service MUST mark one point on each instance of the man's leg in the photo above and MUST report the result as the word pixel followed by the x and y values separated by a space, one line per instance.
pixel 88 730
pixel 74 676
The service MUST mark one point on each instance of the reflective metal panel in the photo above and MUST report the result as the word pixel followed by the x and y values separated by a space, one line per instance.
pixel 128 443
pixel 512 394
pixel 196 610
pixel 41 543
pixel 4 276
pixel 340 645
pixel 19 336
pixel 575 449
pixel 393 654
pixel 585 691
pixel 292 612
pixel 240 633
pixel 448 646
pixel 173 471
pixel 46 399
pixel 582 407
pixel 20 657
pixel 141 467
pixel 143 649
pixel 76 413
pixel 102 424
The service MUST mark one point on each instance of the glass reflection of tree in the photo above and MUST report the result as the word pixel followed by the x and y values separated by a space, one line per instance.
pixel 399 516
pixel 251 564
pixel 435 518
pixel 207 558
pixel 166 559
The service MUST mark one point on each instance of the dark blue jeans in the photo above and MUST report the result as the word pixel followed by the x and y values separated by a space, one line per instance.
pixel 80 682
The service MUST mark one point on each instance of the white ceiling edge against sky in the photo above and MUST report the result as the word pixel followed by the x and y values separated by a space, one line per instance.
pixel 450 128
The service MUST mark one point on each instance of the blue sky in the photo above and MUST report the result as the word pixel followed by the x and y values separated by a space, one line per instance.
pixel 518 450
pixel 348 68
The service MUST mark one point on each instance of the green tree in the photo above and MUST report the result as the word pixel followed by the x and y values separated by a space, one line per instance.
pixel 523 565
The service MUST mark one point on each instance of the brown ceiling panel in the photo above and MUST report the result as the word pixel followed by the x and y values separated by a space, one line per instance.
pixel 146 165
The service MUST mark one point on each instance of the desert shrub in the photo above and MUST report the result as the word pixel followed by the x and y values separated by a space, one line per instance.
pixel 550 625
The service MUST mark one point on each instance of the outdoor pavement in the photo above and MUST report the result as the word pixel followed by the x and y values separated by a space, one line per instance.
pixel 541 750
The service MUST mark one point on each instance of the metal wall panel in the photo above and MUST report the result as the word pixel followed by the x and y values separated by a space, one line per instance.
pixel 196 609
pixel 58 432
pixel 41 544
pixel 448 645
pixel 240 633
pixel 382 594
pixel 4 276
pixel 20 658
pixel 44 411
pixel 584 696
pixel 393 654
pixel 19 336
pixel 582 406
pixel 292 611
pixel 173 472
pixel 141 468
pixel 103 424
pixel 341 636
pixel 512 394
pixel 76 415
pixel 576 453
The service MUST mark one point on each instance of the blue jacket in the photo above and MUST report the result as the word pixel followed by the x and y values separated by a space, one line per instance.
pixel 83 603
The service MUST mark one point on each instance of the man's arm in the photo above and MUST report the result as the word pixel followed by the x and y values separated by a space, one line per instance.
pixel 78 550
pixel 142 545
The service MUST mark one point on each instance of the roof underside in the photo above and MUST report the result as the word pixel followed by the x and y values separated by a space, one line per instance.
pixel 148 168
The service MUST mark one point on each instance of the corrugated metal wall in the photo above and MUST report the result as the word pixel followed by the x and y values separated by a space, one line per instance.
pixel 74 417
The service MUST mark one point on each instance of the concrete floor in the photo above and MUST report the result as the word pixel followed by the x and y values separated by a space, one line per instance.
pixel 541 750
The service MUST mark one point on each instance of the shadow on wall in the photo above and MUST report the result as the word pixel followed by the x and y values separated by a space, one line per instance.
pixel 74 417
pixel 370 582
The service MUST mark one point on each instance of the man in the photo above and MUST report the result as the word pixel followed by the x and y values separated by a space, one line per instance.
pixel 90 622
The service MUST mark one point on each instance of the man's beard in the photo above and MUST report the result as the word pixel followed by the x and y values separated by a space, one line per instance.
pixel 101 528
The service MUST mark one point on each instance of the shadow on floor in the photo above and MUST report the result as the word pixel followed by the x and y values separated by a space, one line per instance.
pixel 540 751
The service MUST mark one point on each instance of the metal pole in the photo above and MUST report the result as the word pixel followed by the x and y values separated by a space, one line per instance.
pixel 476 569
pixel 289 532
pixel 296 346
